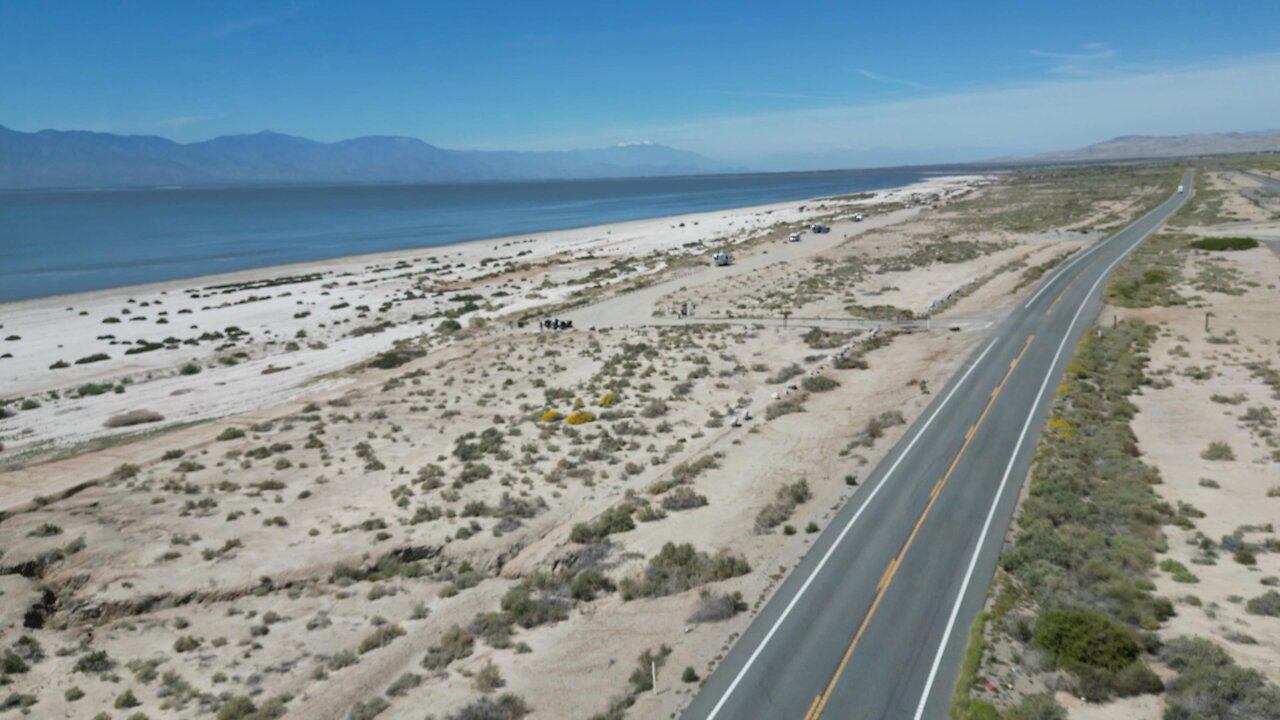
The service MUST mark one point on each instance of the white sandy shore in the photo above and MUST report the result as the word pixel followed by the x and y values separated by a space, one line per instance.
pixel 300 333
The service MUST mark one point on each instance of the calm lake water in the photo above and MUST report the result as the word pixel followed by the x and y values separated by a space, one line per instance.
pixel 54 242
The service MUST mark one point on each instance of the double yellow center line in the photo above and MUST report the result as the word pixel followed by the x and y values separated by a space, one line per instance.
pixel 820 701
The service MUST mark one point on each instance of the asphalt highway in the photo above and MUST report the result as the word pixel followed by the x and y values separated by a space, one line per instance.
pixel 874 620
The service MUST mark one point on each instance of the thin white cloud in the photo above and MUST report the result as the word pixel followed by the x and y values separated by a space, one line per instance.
pixel 1058 113
pixel 251 23
pixel 178 121
pixel 769 94
pixel 881 78
pixel 1090 58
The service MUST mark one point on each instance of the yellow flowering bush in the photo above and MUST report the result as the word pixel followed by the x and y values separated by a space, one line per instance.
pixel 552 416
pixel 1060 427
pixel 608 399
pixel 579 417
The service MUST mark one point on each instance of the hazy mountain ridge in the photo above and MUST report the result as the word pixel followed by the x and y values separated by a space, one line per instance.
pixel 1128 147
pixel 75 158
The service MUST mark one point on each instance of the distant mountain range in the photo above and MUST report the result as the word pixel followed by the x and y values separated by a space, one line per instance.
pixel 1132 147
pixel 58 158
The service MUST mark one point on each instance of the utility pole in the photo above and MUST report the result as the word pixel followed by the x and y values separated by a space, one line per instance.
pixel 653 669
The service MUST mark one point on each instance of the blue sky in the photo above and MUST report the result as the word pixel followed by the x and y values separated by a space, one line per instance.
pixel 765 84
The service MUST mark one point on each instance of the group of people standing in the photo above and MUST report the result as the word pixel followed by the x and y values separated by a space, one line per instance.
pixel 557 324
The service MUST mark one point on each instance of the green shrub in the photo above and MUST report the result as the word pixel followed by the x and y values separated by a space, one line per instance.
pixel 785 374
pixel 404 684
pixel 231 433
pixel 1218 244
pixel 787 498
pixel 380 638
pixel 683 498
pixel 819 383
pixel 190 369
pixel 237 707
pixel 133 417
pixel 126 699
pixel 394 358
pixel 45 530
pixel 13 664
pixel 186 643
pixel 1218 450
pixel 1179 571
pixel 528 611
pixel 455 644
pixel 20 701
pixel 785 406
pixel 94 662
pixel 1210 685
pixel 488 678
pixel 1040 706
pixel 677 568
pixel 587 583
pixel 642 676
pixel 1267 603
pixel 1091 525
pixel 614 520
pixel 1086 638
pixel 368 709
pixel 506 707
pixel 89 389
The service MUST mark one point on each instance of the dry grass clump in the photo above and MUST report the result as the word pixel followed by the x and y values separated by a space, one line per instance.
pixel 713 607
pixel 777 512
pixel 488 679
pixel 677 568
pixel 785 374
pixel 133 417
pixel 614 520
pixel 507 706
pixel 819 383
pixel 454 645
pixel 1218 450
pixel 683 498
pixel 785 406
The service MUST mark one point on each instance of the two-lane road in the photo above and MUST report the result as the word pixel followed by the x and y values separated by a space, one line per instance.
pixel 873 621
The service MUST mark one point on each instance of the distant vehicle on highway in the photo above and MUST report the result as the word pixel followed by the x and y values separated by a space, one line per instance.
pixel 819 228
pixel 858 217
pixel 1179 188
pixel 722 259
pixel 795 237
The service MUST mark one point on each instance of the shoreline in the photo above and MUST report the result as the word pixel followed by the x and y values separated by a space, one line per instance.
pixel 924 180
pixel 384 256
pixel 189 353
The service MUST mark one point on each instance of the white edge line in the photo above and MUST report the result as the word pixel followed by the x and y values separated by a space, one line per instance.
pixel 1017 449
pixel 1062 270
pixel 836 543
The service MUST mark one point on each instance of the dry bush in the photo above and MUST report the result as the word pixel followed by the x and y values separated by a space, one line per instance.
pixel 716 607
pixel 133 417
